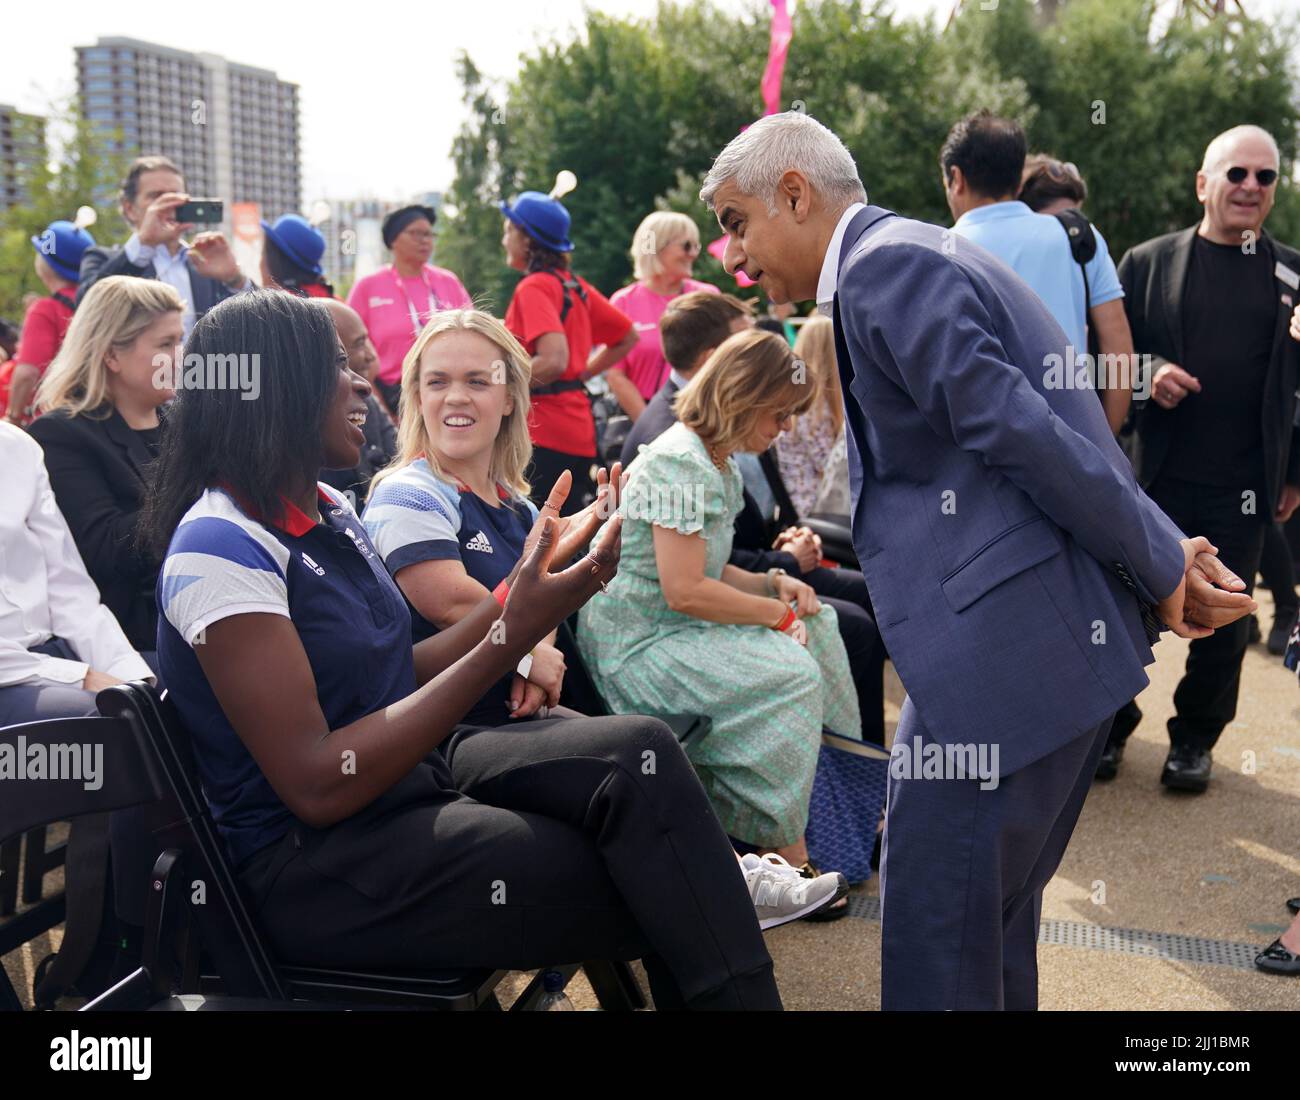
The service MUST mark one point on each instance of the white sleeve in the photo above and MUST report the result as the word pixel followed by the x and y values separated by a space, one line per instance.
pixel 217 568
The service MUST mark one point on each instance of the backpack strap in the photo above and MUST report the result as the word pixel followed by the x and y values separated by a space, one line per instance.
pixel 568 282
pixel 1083 247
pixel 66 299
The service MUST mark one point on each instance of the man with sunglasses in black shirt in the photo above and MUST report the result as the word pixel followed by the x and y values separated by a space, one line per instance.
pixel 1211 305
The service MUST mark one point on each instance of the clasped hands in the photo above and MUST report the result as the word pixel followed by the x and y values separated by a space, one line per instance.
pixel 1210 595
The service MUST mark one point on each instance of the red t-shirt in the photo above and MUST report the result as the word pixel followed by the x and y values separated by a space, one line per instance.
pixel 44 327
pixel 562 422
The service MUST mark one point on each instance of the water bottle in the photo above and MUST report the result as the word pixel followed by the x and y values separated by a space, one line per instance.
pixel 554 998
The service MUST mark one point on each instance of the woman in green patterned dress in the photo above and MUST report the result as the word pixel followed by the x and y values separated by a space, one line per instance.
pixel 680 630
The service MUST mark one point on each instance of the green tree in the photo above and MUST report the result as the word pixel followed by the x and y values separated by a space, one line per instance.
pixel 86 173
pixel 639 108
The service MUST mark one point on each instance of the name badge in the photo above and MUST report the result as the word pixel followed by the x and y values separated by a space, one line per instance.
pixel 1287 275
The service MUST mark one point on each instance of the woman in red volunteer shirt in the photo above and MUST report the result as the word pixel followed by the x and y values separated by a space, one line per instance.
pixel 58 260
pixel 559 317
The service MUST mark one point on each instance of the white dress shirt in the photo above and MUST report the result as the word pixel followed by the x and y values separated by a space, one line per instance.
pixel 829 279
pixel 174 270
pixel 45 591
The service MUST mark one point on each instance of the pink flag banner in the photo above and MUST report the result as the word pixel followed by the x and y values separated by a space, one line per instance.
pixel 782 32
pixel 779 47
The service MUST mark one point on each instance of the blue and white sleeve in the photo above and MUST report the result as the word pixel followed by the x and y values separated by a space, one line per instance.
pixel 411 522
pixel 217 568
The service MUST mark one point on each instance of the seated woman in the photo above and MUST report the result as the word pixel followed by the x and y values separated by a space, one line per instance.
pixel 450 516
pixel 287 649
pixel 59 644
pixel 100 428
pixel 804 451
pixel 680 629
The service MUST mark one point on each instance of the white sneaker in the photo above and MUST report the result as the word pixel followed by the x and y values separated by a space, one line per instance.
pixel 781 894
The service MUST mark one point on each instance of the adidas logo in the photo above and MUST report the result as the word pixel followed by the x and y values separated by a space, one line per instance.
pixel 479 542
pixel 312 565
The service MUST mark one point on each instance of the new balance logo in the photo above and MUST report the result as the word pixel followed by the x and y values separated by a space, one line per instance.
pixel 479 542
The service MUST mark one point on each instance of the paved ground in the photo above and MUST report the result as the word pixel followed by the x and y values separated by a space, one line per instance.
pixel 1210 872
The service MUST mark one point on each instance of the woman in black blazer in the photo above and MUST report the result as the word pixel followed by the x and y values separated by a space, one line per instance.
pixel 100 425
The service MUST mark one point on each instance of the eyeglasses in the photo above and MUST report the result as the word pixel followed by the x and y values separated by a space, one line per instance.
pixel 417 234
pixel 1266 176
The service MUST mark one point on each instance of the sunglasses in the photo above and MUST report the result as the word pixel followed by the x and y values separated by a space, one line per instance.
pixel 690 247
pixel 1061 170
pixel 1266 176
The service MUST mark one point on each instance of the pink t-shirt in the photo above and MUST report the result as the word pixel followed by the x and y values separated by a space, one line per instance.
pixel 645 364
pixel 386 303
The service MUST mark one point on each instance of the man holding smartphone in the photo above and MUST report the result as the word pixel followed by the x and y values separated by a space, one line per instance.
pixel 203 272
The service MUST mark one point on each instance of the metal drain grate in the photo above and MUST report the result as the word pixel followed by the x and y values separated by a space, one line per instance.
pixel 1127 941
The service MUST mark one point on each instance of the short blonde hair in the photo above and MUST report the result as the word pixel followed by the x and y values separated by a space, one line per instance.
pixel 748 375
pixel 513 449
pixel 113 313
pixel 655 233
pixel 815 348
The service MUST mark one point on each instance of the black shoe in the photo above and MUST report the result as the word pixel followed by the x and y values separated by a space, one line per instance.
pixel 1255 635
pixel 1276 959
pixel 1293 904
pixel 1186 769
pixel 1277 637
pixel 1108 765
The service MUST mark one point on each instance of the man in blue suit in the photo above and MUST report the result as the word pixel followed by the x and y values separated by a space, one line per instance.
pixel 1005 544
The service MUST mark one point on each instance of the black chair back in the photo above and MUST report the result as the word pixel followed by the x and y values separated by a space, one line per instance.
pixel 224 922
pixel 64 768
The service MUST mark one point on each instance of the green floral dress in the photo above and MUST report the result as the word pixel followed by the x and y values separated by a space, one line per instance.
pixel 768 696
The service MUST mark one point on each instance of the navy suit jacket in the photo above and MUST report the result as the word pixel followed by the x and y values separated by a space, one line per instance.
pixel 990 511
pixel 99 263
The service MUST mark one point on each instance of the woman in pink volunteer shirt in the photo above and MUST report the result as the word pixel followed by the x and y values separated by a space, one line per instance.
pixel 663 255
pixel 396 301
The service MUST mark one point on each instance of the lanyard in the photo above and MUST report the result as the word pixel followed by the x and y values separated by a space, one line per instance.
pixel 434 304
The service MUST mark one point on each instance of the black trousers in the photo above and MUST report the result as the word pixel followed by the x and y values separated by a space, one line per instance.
pixel 547 465
pixel 1206 698
pixel 1277 568
pixel 567 839
pixel 846 591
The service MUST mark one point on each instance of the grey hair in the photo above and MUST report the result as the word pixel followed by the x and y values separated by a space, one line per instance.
pixel 757 159
pixel 1218 148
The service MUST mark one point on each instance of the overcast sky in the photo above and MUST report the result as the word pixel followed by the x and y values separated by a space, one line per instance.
pixel 379 99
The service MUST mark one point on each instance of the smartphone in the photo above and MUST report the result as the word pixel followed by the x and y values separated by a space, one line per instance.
pixel 199 212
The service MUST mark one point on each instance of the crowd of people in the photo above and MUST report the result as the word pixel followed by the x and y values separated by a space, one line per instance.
pixel 400 543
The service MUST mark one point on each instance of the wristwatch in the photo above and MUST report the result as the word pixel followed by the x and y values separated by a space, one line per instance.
pixel 772 574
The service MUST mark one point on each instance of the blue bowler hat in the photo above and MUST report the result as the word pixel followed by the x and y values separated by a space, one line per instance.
pixel 295 236
pixel 62 244
pixel 543 218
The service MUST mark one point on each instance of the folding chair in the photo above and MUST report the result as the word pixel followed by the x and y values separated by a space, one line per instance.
pixel 222 932
pixel 124 778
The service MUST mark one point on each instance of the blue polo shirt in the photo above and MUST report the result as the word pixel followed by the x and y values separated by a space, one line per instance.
pixel 327 578
pixel 1036 248
pixel 414 515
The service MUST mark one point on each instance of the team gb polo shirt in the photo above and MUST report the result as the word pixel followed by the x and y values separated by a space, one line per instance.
pixel 328 579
